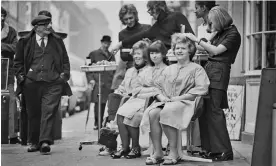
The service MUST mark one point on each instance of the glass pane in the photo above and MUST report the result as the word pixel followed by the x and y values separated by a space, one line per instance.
pixel 271 50
pixel 257 18
pixel 271 19
pixel 256 52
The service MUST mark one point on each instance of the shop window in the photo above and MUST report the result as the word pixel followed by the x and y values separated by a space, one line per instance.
pixel 260 34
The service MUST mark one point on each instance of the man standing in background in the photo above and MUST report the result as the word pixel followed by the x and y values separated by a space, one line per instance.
pixel 101 54
pixel 129 16
pixel 8 46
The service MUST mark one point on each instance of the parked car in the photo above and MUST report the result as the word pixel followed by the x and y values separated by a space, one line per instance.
pixel 79 86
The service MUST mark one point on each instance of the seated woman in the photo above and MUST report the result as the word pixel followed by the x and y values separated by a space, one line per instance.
pixel 130 79
pixel 130 113
pixel 180 85
pixel 125 88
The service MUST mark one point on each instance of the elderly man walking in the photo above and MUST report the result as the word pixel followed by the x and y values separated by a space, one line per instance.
pixel 42 69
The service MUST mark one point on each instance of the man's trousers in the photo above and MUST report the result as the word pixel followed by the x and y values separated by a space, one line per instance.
pixel 42 101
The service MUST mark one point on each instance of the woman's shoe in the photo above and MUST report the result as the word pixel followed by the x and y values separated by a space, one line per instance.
pixel 206 155
pixel 223 157
pixel 171 161
pixel 120 153
pixel 134 153
pixel 153 161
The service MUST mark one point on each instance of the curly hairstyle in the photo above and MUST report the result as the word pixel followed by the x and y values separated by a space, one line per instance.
pixel 158 5
pixel 128 8
pixel 143 45
pixel 159 47
pixel 181 38
pixel 209 4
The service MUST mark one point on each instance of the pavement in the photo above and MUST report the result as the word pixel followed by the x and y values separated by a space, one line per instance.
pixel 65 152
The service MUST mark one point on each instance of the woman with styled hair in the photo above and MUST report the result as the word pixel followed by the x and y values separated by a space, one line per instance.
pixel 140 63
pixel 180 84
pixel 130 114
pixel 129 17
pixel 222 51
pixel 166 24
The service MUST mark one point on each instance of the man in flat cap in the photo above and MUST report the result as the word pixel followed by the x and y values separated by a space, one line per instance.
pixel 8 45
pixel 99 55
pixel 42 69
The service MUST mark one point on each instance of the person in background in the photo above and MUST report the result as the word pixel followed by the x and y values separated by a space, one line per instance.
pixel 202 10
pixel 106 78
pixel 222 52
pixel 166 24
pixel 128 15
pixel 42 69
pixel 8 46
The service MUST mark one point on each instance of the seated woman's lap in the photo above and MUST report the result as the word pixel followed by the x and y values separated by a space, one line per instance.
pixel 135 120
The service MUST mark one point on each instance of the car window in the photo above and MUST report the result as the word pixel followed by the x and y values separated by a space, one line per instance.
pixel 77 79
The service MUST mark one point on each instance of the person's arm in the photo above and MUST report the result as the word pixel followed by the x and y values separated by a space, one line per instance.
pixel 211 49
pixel 18 64
pixel 10 47
pixel 132 40
pixel 182 20
pixel 65 75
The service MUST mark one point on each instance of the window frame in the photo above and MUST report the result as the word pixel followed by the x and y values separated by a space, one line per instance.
pixel 250 22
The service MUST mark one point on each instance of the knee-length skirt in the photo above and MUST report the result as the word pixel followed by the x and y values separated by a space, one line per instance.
pixel 175 114
pixel 132 111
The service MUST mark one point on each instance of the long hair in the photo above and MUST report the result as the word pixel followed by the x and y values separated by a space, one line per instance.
pixel 158 5
pixel 159 47
pixel 128 8
pixel 221 17
pixel 180 38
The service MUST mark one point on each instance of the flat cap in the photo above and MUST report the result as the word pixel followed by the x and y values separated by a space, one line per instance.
pixel 40 19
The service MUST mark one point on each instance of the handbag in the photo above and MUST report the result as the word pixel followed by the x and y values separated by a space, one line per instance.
pixel 108 138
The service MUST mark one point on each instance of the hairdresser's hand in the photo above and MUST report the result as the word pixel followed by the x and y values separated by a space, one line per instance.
pixel 191 37
pixel 116 48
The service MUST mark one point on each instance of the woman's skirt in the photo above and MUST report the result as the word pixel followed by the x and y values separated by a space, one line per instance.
pixel 175 114
pixel 132 110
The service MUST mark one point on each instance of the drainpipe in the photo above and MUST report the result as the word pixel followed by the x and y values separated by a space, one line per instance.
pixel 273 162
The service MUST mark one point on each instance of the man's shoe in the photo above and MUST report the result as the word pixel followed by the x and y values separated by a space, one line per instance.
pixel 33 148
pixel 223 157
pixel 15 140
pixel 45 148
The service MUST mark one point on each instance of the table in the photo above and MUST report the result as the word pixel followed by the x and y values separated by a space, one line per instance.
pixel 97 69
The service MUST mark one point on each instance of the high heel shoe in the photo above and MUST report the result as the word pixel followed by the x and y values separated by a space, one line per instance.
pixel 134 153
pixel 120 153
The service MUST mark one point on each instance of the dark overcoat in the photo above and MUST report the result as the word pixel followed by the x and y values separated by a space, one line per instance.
pixel 106 77
pixel 24 57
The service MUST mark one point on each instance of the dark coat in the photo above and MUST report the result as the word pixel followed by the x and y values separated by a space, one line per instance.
pixel 8 45
pixel 106 77
pixel 24 57
pixel 166 25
